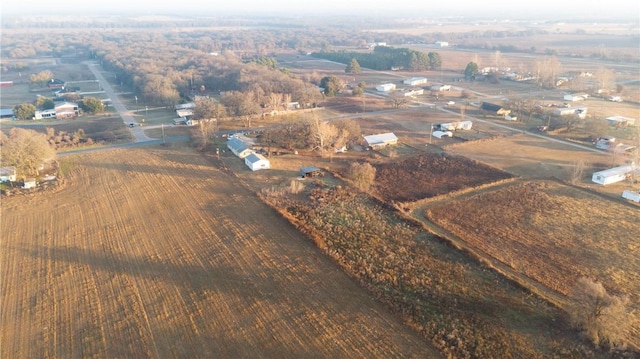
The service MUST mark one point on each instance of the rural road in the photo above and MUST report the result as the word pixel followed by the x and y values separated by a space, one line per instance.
pixel 125 114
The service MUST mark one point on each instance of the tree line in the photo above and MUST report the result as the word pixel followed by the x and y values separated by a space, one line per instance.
pixel 386 57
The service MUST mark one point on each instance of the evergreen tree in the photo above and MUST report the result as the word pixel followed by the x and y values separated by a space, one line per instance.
pixel 353 67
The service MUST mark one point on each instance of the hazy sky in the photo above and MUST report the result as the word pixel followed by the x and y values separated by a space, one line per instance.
pixel 422 8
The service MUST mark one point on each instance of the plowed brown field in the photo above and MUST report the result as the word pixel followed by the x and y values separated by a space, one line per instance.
pixel 156 253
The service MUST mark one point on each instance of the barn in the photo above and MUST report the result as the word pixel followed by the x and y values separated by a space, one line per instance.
pixel 381 140
pixel 239 148
pixel 256 162
pixel 614 175
pixel 494 109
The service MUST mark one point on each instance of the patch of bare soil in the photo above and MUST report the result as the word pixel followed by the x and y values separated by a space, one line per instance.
pixel 429 175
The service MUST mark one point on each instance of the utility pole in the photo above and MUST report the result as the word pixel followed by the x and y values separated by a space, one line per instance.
pixel 163 139
pixel 430 132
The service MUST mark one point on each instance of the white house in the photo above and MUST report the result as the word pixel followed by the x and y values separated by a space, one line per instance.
pixel 614 175
pixel 415 81
pixel 8 174
pixel 620 121
pixel 381 140
pixel 386 87
pixel 256 162
pixel 442 43
pixel 239 148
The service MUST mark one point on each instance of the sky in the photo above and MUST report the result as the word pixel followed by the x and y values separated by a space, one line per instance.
pixel 419 8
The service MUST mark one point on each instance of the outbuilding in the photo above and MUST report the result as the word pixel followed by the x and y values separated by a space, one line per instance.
pixel 494 109
pixel 614 175
pixel 310 171
pixel 256 162
pixel 29 183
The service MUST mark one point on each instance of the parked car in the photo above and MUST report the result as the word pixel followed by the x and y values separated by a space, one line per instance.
pixel 132 125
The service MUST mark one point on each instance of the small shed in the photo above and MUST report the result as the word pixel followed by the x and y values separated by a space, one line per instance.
pixel 29 183
pixel 311 171
pixel 614 175
pixel 8 174
pixel 381 140
pixel 239 148
pixel 256 162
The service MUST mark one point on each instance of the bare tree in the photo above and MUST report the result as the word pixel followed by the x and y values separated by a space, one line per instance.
pixel 324 136
pixel 577 172
pixel 606 78
pixel 398 100
pixel 26 150
pixel 603 318
pixel 547 70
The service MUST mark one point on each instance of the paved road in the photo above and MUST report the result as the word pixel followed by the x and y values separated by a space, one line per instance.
pixel 125 114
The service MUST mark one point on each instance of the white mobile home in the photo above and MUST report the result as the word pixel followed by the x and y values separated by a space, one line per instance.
pixel 381 140
pixel 256 162
pixel 631 195
pixel 415 81
pixel 386 87
pixel 576 97
pixel 442 134
pixel 614 175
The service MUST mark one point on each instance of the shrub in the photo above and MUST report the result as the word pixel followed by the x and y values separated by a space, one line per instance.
pixel 362 175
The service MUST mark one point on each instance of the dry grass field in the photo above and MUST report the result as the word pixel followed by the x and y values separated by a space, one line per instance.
pixel 148 253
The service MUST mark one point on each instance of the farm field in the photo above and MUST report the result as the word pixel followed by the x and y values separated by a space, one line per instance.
pixel 553 234
pixel 155 252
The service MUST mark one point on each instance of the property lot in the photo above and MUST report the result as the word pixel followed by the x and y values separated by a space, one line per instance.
pixel 154 252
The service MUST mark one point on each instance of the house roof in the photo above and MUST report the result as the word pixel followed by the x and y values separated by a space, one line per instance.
pixel 381 138
pixel 237 145
pixel 490 107
pixel 621 119
pixel 66 104
pixel 6 112
pixel 616 171
pixel 255 158
pixel 7 171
